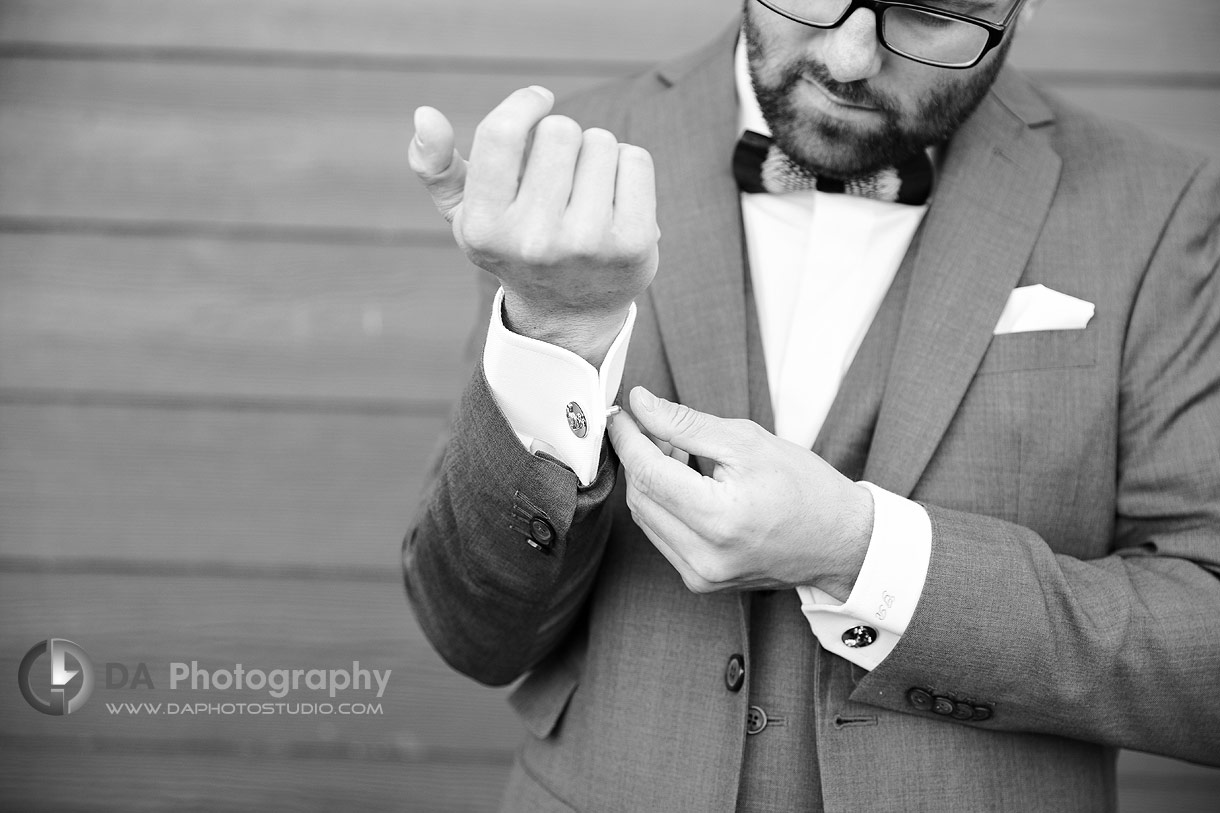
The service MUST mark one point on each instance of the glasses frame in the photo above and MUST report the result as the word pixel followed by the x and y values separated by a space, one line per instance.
pixel 995 31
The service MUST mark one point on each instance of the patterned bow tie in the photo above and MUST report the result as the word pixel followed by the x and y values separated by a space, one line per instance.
pixel 760 166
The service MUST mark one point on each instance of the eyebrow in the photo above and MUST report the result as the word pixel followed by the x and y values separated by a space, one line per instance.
pixel 975 8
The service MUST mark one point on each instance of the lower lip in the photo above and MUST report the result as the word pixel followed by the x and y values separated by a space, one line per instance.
pixel 833 105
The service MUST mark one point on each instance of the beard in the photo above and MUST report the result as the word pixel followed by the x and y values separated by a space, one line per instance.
pixel 839 149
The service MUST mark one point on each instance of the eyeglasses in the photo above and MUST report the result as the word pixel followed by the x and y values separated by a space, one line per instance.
pixel 935 37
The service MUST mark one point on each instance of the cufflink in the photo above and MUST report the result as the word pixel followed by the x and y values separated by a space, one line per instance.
pixel 576 420
pixel 859 637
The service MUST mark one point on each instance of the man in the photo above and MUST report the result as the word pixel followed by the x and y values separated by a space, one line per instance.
pixel 969 543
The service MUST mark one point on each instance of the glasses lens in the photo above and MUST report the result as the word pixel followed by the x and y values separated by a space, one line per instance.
pixel 818 12
pixel 929 36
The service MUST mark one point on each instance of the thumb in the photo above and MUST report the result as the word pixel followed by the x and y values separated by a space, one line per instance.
pixel 434 158
pixel 690 430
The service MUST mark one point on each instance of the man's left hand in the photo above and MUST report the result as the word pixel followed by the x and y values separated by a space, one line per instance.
pixel 772 514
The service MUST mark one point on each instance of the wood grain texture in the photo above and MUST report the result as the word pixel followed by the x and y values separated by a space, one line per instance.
pixel 308 149
pixel 279 489
pixel 1085 35
pixel 219 318
pixel 128 777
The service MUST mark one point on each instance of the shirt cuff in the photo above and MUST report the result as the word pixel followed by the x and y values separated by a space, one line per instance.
pixel 538 385
pixel 887 589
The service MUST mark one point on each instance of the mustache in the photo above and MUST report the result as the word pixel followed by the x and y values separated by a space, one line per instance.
pixel 851 92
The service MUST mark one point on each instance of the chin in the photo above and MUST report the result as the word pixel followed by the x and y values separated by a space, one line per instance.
pixel 836 151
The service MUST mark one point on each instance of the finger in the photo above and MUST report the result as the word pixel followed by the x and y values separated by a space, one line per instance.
pixel 687 429
pixel 680 545
pixel 546 182
pixel 635 192
pixel 669 450
pixel 593 187
pixel 434 158
pixel 675 486
pixel 499 149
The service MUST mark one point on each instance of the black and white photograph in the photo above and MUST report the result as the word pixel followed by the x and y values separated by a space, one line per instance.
pixel 737 406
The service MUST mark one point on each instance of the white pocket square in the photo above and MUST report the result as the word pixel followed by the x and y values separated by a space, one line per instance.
pixel 1036 307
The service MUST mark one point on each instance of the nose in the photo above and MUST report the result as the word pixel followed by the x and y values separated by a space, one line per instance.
pixel 852 51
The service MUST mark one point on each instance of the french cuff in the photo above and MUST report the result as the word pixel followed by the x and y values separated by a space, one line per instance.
pixel 867 627
pixel 554 400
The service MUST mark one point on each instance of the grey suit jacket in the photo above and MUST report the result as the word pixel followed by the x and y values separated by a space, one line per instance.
pixel 1072 479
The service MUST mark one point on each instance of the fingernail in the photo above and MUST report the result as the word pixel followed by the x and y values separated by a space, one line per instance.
pixel 647 400
pixel 417 119
pixel 541 91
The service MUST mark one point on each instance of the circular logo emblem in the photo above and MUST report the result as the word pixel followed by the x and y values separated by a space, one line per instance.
pixel 68 661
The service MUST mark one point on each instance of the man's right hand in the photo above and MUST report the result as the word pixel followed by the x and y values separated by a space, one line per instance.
pixel 565 219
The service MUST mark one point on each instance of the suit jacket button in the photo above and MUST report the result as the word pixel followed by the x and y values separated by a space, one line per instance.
pixel 542 534
pixel 981 713
pixel 735 673
pixel 756 720
pixel 858 637
pixel 963 711
pixel 942 705
pixel 920 699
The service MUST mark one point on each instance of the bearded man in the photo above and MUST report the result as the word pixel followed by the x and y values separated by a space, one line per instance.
pixel 881 476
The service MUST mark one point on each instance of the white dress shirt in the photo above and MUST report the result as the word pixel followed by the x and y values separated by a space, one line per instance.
pixel 820 266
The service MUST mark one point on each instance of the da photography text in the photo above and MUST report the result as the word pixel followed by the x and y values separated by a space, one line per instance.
pixel 276 682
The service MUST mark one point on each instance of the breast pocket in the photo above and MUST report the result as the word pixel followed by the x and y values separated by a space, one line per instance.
pixel 1040 350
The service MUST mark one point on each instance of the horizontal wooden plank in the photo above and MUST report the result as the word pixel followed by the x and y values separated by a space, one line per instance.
pixel 215 318
pixel 428 713
pixel 274 489
pixel 1122 36
pixel 320 149
pixel 56 777
pixel 105 780
pixel 235 145
pixel 574 29
pixel 1092 35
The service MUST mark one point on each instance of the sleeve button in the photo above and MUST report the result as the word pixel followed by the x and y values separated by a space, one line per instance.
pixel 963 711
pixel 542 534
pixel 920 699
pixel 942 706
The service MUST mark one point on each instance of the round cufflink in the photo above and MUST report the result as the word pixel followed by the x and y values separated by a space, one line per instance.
pixel 859 637
pixel 576 420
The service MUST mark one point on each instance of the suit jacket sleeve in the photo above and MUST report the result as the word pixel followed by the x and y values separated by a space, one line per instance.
pixel 1122 650
pixel 491 603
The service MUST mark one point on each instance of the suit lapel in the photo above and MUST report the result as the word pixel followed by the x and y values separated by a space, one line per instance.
pixel 992 197
pixel 698 294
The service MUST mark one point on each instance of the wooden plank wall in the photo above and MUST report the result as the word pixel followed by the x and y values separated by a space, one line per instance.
pixel 231 326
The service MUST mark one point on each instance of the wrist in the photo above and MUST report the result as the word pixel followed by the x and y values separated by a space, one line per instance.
pixel 856 533
pixel 587 333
